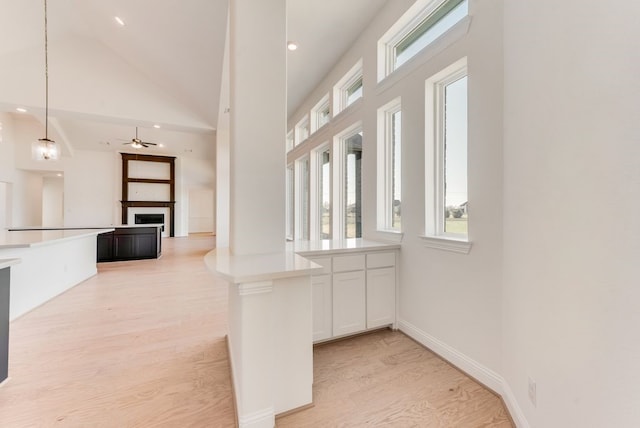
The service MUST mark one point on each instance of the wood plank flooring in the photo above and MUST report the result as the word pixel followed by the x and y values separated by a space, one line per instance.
pixel 385 379
pixel 142 344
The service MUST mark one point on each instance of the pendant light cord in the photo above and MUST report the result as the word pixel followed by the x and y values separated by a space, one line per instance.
pixel 46 75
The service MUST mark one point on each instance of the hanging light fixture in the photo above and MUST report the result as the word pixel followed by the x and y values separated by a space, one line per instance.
pixel 45 148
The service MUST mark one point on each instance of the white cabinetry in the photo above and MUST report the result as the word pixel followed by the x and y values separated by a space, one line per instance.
pixel 355 292
pixel 322 301
pixel 349 310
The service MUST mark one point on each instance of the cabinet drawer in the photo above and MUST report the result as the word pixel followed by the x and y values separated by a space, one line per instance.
pixel 348 263
pixel 325 262
pixel 378 260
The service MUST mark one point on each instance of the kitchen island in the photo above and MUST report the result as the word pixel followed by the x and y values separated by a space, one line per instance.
pixel 52 261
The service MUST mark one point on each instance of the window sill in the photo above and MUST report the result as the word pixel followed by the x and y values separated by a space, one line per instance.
pixel 447 244
pixel 388 236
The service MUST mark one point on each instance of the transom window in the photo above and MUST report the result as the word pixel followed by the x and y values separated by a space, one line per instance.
pixel 418 28
pixel 320 114
pixel 348 89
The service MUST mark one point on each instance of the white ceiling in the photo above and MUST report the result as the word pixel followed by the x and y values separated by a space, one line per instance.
pixel 164 66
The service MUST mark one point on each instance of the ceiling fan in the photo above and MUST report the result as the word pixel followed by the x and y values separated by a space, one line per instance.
pixel 137 143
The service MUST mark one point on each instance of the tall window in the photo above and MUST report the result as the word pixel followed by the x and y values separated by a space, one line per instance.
pixel 390 166
pixel 418 28
pixel 290 201
pixel 324 193
pixel 447 191
pixel 353 186
pixel 302 197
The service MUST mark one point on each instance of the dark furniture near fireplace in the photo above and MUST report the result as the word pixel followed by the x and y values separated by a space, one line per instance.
pixel 170 181
pixel 130 243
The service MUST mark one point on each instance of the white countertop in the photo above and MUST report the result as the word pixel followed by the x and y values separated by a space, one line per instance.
pixel 329 246
pixel 4 263
pixel 258 267
pixel 117 226
pixel 33 238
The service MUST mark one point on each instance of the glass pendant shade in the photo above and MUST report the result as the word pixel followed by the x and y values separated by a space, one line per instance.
pixel 45 149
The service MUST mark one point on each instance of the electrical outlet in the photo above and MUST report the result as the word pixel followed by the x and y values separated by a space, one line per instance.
pixel 532 392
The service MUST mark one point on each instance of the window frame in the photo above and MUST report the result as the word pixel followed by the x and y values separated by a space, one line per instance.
pixel 290 141
pixel 339 178
pixel 290 198
pixel 316 113
pixel 435 235
pixel 302 230
pixel 340 89
pixel 316 194
pixel 409 22
pixel 385 165
pixel 300 126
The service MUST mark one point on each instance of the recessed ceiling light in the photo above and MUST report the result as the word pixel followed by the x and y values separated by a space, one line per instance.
pixel 21 110
pixel 292 46
pixel 59 175
pixel 160 145
pixel 156 126
pixel 119 21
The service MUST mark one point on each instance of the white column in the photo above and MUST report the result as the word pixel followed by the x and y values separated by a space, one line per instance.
pixel 257 59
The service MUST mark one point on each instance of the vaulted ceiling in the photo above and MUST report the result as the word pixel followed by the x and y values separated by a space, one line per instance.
pixel 163 67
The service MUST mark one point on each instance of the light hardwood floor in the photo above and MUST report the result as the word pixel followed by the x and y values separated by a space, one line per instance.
pixel 142 344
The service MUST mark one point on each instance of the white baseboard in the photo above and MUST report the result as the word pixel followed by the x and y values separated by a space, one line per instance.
pixel 486 376
pixel 513 407
pixel 261 419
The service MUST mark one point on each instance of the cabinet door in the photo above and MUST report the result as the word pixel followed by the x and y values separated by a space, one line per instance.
pixel 381 297
pixel 124 246
pixel 145 246
pixel 321 309
pixel 349 312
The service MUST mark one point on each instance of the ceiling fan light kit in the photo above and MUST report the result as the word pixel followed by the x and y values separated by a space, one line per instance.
pixel 137 143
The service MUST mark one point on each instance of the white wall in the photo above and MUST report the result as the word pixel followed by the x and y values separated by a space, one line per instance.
pixel 445 297
pixel 572 187
pixel 27 199
pixel 201 210
pixel 52 201
pixel 90 188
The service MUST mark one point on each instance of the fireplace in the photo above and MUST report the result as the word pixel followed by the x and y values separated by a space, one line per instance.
pixel 149 219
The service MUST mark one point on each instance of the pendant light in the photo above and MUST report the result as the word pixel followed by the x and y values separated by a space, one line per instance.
pixel 45 148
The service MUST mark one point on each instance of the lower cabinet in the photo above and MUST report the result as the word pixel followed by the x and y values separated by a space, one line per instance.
pixel 321 297
pixel 349 302
pixel 354 293
pixel 129 244
pixel 381 297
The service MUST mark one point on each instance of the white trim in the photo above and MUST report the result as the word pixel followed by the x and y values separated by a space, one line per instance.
pixel 301 230
pixel 482 374
pixel 434 149
pixel 408 22
pixel 302 124
pixel 385 167
pixel 485 375
pixel 340 88
pixel 265 418
pixel 315 110
pixel 315 210
pixel 258 287
pixel 447 244
pixel 338 179
pixel 387 236
pixel 512 406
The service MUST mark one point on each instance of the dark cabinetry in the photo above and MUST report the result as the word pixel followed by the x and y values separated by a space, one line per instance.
pixel 4 323
pixel 129 244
